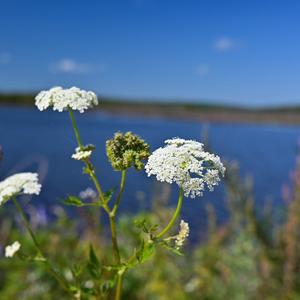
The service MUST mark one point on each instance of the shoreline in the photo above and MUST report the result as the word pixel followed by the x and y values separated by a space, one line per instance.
pixel 210 116
pixel 201 112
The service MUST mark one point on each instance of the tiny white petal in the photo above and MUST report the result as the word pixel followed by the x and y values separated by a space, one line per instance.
pixel 11 250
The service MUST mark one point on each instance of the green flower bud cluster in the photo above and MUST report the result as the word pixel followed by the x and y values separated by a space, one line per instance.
pixel 127 150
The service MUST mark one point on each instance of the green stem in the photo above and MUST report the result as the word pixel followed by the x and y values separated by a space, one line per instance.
pixel 77 135
pixel 95 181
pixel 112 219
pixel 174 217
pixel 87 163
pixel 122 186
pixel 37 246
pixel 119 286
pixel 111 213
pixel 112 222
pixel 114 235
pixel 114 239
pixel 116 252
pixel 28 227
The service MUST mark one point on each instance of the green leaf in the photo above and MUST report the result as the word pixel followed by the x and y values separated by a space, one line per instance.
pixel 145 225
pixel 85 170
pixel 74 289
pixel 73 201
pixel 93 265
pixel 172 249
pixel 145 252
pixel 108 195
pixel 93 258
pixel 107 285
pixel 77 270
pixel 153 228
pixel 89 291
pixel 139 252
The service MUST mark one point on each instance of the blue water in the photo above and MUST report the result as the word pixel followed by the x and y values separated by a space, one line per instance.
pixel 44 141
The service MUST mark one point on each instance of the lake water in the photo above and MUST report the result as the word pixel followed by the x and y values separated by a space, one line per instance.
pixel 44 141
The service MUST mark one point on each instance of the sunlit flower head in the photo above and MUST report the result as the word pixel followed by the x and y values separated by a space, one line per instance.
pixel 84 152
pixel 21 183
pixel 187 164
pixel 182 235
pixel 61 99
pixel 12 249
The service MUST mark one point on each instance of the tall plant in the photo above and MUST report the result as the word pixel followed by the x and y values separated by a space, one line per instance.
pixel 180 161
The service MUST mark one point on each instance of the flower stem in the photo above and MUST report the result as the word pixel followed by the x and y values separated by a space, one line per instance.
pixel 114 235
pixel 37 246
pixel 111 213
pixel 87 163
pixel 28 227
pixel 174 217
pixel 116 252
pixel 95 181
pixel 77 135
pixel 122 186
pixel 119 286
pixel 112 219
pixel 114 239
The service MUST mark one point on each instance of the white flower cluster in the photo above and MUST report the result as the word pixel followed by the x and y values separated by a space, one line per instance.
pixel 182 235
pixel 84 152
pixel 11 250
pixel 61 99
pixel 186 163
pixel 26 183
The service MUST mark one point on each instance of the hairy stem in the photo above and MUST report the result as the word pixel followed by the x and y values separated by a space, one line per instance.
pixel 174 217
pixel 122 186
pixel 114 239
pixel 37 246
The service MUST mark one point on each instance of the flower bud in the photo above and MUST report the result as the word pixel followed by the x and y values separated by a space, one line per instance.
pixel 127 150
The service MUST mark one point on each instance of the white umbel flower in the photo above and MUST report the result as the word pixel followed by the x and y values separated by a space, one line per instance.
pixel 182 235
pixel 61 99
pixel 11 250
pixel 83 152
pixel 21 183
pixel 187 164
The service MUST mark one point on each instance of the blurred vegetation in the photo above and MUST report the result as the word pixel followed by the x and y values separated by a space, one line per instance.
pixel 249 257
pixel 109 102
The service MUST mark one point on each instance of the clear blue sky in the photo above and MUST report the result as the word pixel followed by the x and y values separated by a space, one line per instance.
pixel 243 52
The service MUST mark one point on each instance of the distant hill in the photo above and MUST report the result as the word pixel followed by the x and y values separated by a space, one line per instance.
pixel 192 111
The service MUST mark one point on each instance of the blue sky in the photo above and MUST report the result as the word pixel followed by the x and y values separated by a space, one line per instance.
pixel 235 52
